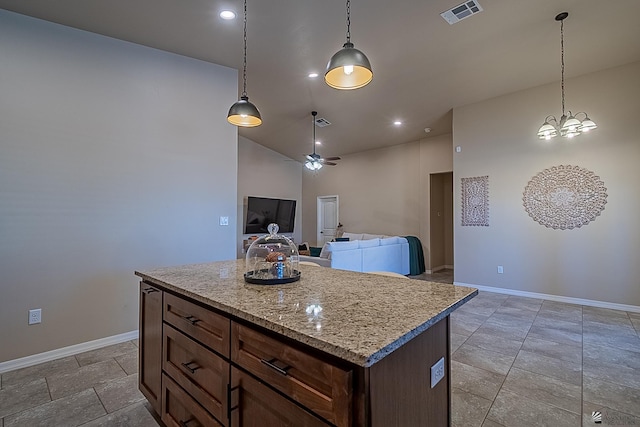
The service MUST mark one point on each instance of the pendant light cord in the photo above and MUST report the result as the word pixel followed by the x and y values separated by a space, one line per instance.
pixel 244 70
pixel 562 61
pixel 348 21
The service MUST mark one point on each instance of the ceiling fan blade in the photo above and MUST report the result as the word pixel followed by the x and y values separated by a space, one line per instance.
pixel 332 158
pixel 329 163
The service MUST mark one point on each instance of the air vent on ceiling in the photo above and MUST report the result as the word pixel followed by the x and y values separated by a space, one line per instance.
pixel 461 11
pixel 322 122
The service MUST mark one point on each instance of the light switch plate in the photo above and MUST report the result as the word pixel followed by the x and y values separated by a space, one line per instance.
pixel 224 220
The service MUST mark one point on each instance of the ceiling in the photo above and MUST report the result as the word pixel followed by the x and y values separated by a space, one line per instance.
pixel 423 67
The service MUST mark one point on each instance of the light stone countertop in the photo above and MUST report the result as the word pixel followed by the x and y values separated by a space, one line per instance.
pixel 357 317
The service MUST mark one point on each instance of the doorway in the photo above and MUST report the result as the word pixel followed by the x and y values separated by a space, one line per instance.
pixel 327 223
pixel 441 223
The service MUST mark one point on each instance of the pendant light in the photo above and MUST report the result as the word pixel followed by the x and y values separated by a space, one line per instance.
pixel 349 68
pixel 243 113
pixel 568 126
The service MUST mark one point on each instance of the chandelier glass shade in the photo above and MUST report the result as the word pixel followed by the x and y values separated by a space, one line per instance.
pixel 243 113
pixel 569 125
pixel 348 68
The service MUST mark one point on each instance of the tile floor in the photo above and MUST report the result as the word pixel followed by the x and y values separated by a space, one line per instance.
pixel 515 362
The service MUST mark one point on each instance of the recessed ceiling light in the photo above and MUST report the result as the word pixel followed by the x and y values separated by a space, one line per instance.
pixel 318 143
pixel 227 14
pixel 313 75
pixel 397 123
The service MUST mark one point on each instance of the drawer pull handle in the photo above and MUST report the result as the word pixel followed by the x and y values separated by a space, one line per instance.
pixel 188 367
pixel 150 290
pixel 186 423
pixel 272 365
pixel 192 319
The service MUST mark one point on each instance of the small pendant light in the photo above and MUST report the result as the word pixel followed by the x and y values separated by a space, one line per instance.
pixel 243 113
pixel 349 68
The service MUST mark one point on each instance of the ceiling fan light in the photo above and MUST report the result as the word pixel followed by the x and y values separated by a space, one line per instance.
pixel 348 69
pixel 243 113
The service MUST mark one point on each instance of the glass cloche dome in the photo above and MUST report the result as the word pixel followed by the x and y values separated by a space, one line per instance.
pixel 272 259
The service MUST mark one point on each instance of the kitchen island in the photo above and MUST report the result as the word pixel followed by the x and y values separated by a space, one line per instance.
pixel 334 348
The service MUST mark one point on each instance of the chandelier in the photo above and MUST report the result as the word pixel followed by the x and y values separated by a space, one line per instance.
pixel 569 125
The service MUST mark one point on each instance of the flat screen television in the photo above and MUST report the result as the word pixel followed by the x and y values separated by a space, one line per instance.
pixel 262 211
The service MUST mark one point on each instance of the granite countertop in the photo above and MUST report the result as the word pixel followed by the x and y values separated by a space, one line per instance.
pixel 357 317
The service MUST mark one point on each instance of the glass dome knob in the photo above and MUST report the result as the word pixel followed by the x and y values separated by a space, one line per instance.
pixel 273 228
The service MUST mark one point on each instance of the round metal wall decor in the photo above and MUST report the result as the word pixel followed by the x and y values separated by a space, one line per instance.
pixel 564 197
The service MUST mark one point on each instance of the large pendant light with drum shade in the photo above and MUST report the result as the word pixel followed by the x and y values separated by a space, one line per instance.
pixel 349 68
pixel 568 126
pixel 243 113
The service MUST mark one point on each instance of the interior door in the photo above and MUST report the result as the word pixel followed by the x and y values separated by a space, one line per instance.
pixel 327 219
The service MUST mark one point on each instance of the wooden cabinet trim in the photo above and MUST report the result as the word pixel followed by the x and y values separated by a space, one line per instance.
pixel 150 345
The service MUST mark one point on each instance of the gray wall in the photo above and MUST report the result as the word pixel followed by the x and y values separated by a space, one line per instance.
pixel 598 261
pixel 113 157
pixel 264 173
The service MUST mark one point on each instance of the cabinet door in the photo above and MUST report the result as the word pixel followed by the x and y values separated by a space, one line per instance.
pixel 150 344
pixel 180 410
pixel 253 404
pixel 199 371
pixel 322 387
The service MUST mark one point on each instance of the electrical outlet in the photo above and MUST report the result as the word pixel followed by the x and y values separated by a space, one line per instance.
pixel 224 220
pixel 500 269
pixel 35 316
pixel 437 372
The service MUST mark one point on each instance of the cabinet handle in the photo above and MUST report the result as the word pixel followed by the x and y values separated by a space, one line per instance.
pixel 192 319
pixel 270 363
pixel 189 368
pixel 150 290
pixel 186 423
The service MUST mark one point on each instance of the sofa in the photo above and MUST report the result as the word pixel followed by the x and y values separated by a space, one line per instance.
pixel 364 253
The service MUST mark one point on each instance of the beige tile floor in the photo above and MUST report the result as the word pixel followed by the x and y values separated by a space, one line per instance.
pixel 515 362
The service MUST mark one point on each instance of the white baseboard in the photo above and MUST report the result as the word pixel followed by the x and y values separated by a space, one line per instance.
pixel 440 267
pixel 558 298
pixel 71 350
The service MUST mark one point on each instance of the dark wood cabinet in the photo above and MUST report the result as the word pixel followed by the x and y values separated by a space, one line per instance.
pixel 253 404
pixel 181 410
pixel 319 385
pixel 150 344
pixel 202 367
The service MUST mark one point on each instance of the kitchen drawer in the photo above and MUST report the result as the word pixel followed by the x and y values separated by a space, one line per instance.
pixel 206 326
pixel 198 370
pixel 320 386
pixel 180 410
pixel 255 404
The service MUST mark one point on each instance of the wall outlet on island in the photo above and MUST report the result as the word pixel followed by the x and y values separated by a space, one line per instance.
pixel 35 316
pixel 437 372
pixel 500 269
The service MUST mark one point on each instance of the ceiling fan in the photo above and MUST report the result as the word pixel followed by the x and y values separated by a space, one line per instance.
pixel 314 161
